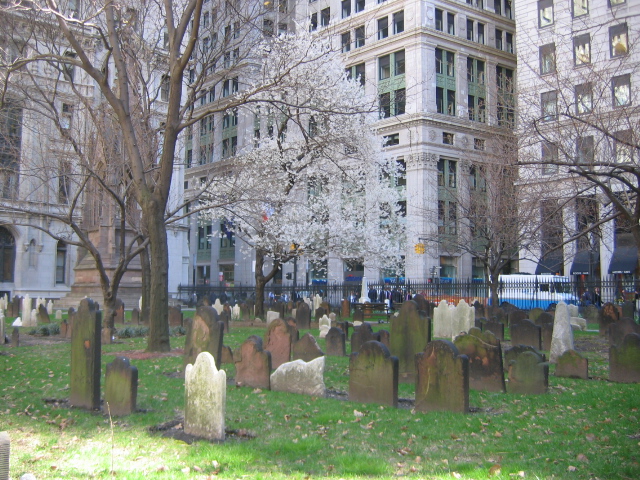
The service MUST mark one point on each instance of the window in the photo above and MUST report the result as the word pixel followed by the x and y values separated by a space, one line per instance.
pixel 66 115
pixel 7 255
pixel 582 49
pixel 74 8
pixel 401 178
pixel 212 94
pixel 204 237
pixel 621 89
pixel 384 67
pixel 325 17
pixel 385 105
pixel 549 104
pixel 452 167
pixel 477 108
pixel 399 65
pixel 470 30
pixel 346 8
pixel 10 148
pixel 61 262
pixel 383 28
pixel 479 144
pixel 451 25
pixel 229 146
pixel 439 20
pixel 545 13
pixel 230 86
pixel 267 28
pixel 313 22
pixel 499 39
pixel 580 7
pixel 623 146
pixel 506 99
pixel 64 181
pixel 357 72
pixel 613 3
pixel 68 69
pixel 509 42
pixel 385 62
pixel 584 98
pixel 549 158
pixel 480 33
pixel 359 37
pixel 389 140
pixel 584 150
pixel 400 101
pixel 346 42
pixel 205 19
pixel 504 8
pixel 547 59
pixel 282 28
pixel 164 88
pixel 447 139
pixel 475 71
pixel 441 173
pixel 398 22
pixel 360 5
pixel 445 88
pixel 618 40
pixel 445 62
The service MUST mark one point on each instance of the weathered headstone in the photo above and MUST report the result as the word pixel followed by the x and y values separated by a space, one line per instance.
pixel 277 340
pixel 303 316
pixel 205 398
pixel 319 313
pixel 306 348
pixel 85 356
pixel 324 321
pixel 300 377
pixel 624 360
pixel 58 314
pixel 442 382
pixel 534 314
pixel 217 306
pixel 135 316
pixel 578 323
pixel 271 316
pixel 524 332
pixel 591 314
pixel 225 317
pixel 494 327
pixel 345 327
pixel 120 387
pixel 71 316
pixel 236 312
pixel 442 321
pixel 384 337
pixel 513 352
pixel 547 335
pixel 245 311
pixel 485 360
pixel 421 302
pixel 628 309
pixel 15 337
pixel 562 339
pixel 373 375
pixel 227 355
pixel 64 327
pixel 572 365
pixel 516 316
pixel 204 334
pixel 528 374
pixel 253 364
pixel 345 310
pixel 176 317
pixel 608 315
pixel 5 450
pixel 574 310
pixel 335 342
pixel 618 330
pixel 544 318
pixel 410 334
pixel 463 318
pixel 293 329
pixel 361 335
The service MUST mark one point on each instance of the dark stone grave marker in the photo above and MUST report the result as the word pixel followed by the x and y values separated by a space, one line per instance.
pixel 85 356
pixel 572 365
pixel 618 330
pixel 485 360
pixel 524 332
pixel 120 387
pixel 528 374
pixel 278 341
pixel 135 316
pixel 335 342
pixel 303 316
pixel 205 333
pixel 176 318
pixel 361 335
pixel 608 315
pixel 373 375
pixel 253 364
pixel 43 314
pixel 494 327
pixel 410 334
pixel 624 360
pixel 306 349
pixel 384 337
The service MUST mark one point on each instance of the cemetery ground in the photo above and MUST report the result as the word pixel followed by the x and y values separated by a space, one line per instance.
pixel 580 429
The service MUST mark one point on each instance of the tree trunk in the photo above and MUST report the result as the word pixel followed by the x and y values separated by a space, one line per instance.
pixel 158 340
pixel 145 265
pixel 262 280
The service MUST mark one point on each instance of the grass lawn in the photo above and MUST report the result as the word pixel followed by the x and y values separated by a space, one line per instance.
pixel 579 430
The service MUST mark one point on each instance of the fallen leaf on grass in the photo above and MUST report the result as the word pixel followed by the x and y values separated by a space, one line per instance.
pixel 358 414
pixel 456 475
pixel 495 470
pixel 163 468
pixel 571 468
pixel 582 458
pixel 497 435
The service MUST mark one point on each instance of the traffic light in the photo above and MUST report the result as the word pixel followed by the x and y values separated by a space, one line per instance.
pixel 419 248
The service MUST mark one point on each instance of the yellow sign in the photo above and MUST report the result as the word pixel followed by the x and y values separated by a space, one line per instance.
pixel 419 248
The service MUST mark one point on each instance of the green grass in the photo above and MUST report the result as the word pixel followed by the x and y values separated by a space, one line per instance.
pixel 580 429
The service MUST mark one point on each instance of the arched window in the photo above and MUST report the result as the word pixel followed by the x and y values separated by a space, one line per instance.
pixel 7 255
pixel 32 253
pixel 61 262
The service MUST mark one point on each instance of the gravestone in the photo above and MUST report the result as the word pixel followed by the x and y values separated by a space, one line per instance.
pixel 120 387
pixel 5 450
pixel 204 334
pixel 119 310
pixel 253 364
pixel 423 305
pixel 236 312
pixel 442 382
pixel 64 326
pixel 545 318
pixel 624 360
pixel 485 360
pixel 217 306
pixel 2 327
pixel 513 352
pixel 591 313
pixel 562 339
pixel 225 317
pixel 205 398
pixel 572 365
pixel 479 310
pixel 176 318
pixel 71 317
pixel 410 334
pixel 608 315
pixel 13 308
pixel 574 310
pixel 534 314
pixel 618 330
pixel 245 311
pixel 628 309
pixel 300 377
pixel 279 307
pixel 306 349
pixel 227 355
pixel 85 356
pixel 344 326
pixel 135 316
pixel 319 313
pixel 277 340
pixel 528 374
pixel 15 337
pixel 373 375
pixel 547 335
pixel 578 323
pixel 345 310
pixel 384 337
pixel 303 316
pixel 358 315
pixel 361 335
pixel 463 318
pixel 324 321
pixel 494 327
pixel 335 342
pixel 271 316
pixel 516 316
pixel 293 329
pixel 442 321
pixel 524 332
pixel 43 314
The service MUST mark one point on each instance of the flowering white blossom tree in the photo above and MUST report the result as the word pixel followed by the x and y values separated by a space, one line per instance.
pixel 316 184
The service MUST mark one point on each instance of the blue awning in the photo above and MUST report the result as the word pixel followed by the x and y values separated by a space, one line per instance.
pixel 624 260
pixel 552 263
pixel 584 263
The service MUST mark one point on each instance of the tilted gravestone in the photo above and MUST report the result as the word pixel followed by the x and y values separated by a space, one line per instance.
pixel 410 334
pixel 335 342
pixel 85 356
pixel 245 311
pixel 373 375
pixel 205 398
pixel 562 339
pixel 572 365
pixel 43 314
pixel 305 378
pixel 345 327
pixel 358 315
pixel 120 387
pixel 293 329
pixel 524 332
pixel 485 360
pixel 204 334
pixel 528 374
pixel 442 382
pixel 277 340
pixel 176 318
pixel 618 330
pixel 306 349
pixel 319 313
pixel 463 318
pixel 494 327
pixel 608 315
pixel 423 305
pixel 253 364
pixel 624 360
pixel 227 355
pixel 361 335
pixel 303 316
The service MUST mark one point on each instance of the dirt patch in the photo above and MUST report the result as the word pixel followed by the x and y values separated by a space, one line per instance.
pixel 27 340
pixel 175 429
pixel 592 343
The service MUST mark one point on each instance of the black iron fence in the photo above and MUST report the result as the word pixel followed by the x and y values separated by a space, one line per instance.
pixel 520 290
